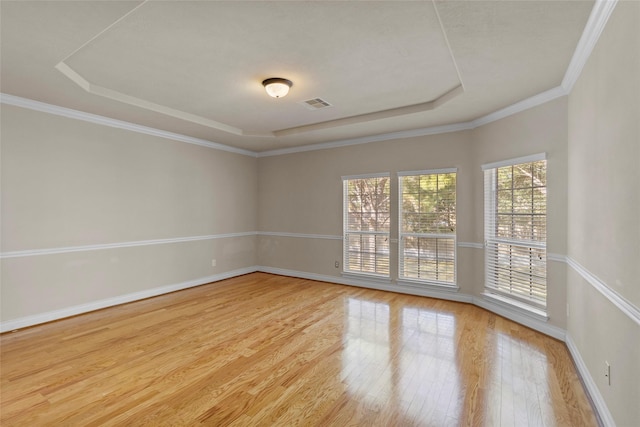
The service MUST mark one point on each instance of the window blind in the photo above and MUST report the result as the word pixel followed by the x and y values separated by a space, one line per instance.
pixel 428 226
pixel 366 224
pixel 515 231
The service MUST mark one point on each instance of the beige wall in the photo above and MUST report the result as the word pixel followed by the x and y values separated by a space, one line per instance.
pixel 68 183
pixel 537 130
pixel 604 210
pixel 604 159
pixel 302 193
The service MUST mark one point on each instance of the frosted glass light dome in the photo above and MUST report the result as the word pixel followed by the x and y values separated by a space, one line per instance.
pixel 277 87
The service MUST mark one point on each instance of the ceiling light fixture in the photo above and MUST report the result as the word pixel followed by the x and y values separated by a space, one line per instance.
pixel 277 87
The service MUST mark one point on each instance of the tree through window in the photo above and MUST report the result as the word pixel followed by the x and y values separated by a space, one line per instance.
pixel 428 226
pixel 366 224
pixel 516 231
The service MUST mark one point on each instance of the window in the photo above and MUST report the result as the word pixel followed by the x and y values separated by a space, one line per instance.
pixel 366 224
pixel 515 230
pixel 428 226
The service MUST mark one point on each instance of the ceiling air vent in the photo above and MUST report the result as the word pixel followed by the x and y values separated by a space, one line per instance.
pixel 315 104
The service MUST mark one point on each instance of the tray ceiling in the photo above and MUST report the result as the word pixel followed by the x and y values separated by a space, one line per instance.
pixel 196 68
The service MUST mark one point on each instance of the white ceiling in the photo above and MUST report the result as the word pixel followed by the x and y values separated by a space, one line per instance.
pixel 196 67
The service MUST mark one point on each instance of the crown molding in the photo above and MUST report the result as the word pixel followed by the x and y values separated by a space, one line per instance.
pixel 105 92
pixel 367 139
pixel 600 14
pixel 378 115
pixel 518 107
pixel 118 124
pixel 525 104
pixel 118 96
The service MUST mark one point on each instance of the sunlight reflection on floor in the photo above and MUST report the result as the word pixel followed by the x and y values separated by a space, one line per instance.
pixel 422 377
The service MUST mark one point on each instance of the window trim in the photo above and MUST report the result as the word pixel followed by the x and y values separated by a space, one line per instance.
pixel 428 172
pixel 346 232
pixel 436 284
pixel 490 238
pixel 516 161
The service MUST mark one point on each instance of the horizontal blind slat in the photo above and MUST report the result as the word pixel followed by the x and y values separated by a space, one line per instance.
pixel 427 226
pixel 515 231
pixel 366 222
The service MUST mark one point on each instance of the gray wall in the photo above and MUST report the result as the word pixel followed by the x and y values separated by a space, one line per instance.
pixel 302 193
pixel 537 130
pixel 604 211
pixel 69 183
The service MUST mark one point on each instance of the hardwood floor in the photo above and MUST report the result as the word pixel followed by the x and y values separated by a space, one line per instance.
pixel 266 350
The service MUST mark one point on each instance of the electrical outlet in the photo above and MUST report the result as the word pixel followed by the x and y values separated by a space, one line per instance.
pixel 337 264
pixel 213 263
pixel 607 372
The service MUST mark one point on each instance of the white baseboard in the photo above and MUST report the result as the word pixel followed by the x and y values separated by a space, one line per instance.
pixel 531 322
pixel 520 317
pixel 49 316
pixel 592 389
pixel 516 316
pixel 370 284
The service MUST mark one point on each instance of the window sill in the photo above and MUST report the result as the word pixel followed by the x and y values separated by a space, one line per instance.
pixel 434 286
pixel 367 277
pixel 516 306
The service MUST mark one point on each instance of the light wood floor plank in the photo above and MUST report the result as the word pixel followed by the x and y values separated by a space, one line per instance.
pixel 269 350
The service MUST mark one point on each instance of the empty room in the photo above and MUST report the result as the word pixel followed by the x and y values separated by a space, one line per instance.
pixel 319 213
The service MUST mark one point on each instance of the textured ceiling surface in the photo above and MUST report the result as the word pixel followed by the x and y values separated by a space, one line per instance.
pixel 196 68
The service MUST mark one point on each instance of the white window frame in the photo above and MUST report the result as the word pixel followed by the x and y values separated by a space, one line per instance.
pixel 347 270
pixel 402 235
pixel 493 289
